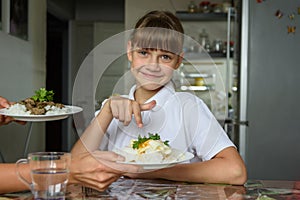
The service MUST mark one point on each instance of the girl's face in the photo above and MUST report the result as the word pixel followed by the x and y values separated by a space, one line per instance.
pixel 152 68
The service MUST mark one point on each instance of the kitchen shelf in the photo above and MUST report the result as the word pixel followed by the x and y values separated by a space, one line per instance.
pixel 198 75
pixel 187 16
pixel 199 55
pixel 196 88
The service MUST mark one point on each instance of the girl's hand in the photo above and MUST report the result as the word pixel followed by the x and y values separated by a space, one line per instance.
pixel 123 108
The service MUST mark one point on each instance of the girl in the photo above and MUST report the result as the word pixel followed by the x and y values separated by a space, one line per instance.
pixel 153 106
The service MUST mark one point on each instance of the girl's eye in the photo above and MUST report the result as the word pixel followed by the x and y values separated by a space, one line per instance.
pixel 166 57
pixel 143 53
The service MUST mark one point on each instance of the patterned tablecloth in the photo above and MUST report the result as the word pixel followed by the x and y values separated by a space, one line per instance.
pixel 132 189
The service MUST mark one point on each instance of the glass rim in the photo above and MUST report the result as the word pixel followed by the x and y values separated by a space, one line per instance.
pixel 51 155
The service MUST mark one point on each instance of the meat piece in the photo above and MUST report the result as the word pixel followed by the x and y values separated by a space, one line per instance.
pixel 41 104
pixel 37 107
pixel 50 103
pixel 29 101
pixel 28 106
pixel 59 105
pixel 38 111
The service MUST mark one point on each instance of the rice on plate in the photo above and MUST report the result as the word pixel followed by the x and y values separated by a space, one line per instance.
pixel 20 109
pixel 39 104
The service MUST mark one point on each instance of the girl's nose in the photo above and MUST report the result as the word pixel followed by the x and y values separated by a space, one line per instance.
pixel 154 60
pixel 153 66
pixel 153 63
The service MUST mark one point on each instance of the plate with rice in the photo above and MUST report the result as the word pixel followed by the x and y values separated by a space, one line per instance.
pixel 39 107
pixel 19 112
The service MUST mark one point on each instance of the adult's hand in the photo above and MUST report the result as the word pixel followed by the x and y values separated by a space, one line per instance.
pixel 98 169
pixel 4 103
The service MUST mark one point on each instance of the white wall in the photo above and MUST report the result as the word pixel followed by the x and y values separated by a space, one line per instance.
pixel 23 70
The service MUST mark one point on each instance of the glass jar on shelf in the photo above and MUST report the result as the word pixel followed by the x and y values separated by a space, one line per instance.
pixel 192 7
pixel 204 40
pixel 204 7
pixel 226 5
pixel 203 37
pixel 231 48
pixel 218 46
pixel 216 8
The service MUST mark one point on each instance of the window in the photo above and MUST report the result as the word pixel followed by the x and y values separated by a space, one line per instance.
pixel 0 14
pixel 19 18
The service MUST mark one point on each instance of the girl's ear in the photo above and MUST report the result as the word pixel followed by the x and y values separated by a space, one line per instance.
pixel 180 58
pixel 129 51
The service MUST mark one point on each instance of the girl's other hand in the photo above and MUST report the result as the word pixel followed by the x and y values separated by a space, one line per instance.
pixel 98 169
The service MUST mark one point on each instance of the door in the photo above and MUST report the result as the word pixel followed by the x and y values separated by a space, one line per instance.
pixel 269 91
pixel 56 77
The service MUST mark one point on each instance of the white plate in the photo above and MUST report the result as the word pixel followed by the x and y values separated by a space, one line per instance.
pixel 188 156
pixel 42 118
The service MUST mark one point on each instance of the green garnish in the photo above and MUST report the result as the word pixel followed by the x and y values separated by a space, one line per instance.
pixel 43 95
pixel 136 144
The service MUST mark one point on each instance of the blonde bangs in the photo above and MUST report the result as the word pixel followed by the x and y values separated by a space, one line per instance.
pixel 157 38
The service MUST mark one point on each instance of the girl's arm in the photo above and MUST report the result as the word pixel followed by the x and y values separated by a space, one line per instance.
pixel 92 136
pixel 116 107
pixel 226 167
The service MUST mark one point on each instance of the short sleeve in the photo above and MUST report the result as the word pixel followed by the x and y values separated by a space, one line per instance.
pixel 207 136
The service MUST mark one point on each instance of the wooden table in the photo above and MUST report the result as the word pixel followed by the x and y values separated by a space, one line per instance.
pixel 132 189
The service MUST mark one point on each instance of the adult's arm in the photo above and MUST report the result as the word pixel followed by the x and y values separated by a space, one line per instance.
pixel 9 179
pixel 95 170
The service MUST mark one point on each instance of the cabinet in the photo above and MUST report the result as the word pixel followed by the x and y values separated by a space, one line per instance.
pixel 218 71
pixel 206 78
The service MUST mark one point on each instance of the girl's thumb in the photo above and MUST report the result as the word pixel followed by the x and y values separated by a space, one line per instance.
pixel 148 106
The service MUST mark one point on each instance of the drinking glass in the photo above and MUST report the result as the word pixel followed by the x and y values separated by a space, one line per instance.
pixel 49 174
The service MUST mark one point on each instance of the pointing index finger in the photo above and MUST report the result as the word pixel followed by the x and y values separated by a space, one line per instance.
pixel 142 107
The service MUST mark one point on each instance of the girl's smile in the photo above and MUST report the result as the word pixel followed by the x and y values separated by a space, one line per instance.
pixel 153 68
pixel 151 71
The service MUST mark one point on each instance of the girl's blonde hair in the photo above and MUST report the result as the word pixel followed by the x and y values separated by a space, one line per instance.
pixel 158 30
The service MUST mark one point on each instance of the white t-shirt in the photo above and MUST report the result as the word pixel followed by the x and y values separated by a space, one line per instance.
pixel 179 117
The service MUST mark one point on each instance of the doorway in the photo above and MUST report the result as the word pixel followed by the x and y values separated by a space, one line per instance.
pixel 56 62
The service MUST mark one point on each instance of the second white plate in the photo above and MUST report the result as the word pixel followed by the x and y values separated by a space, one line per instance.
pixel 149 166
pixel 42 118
